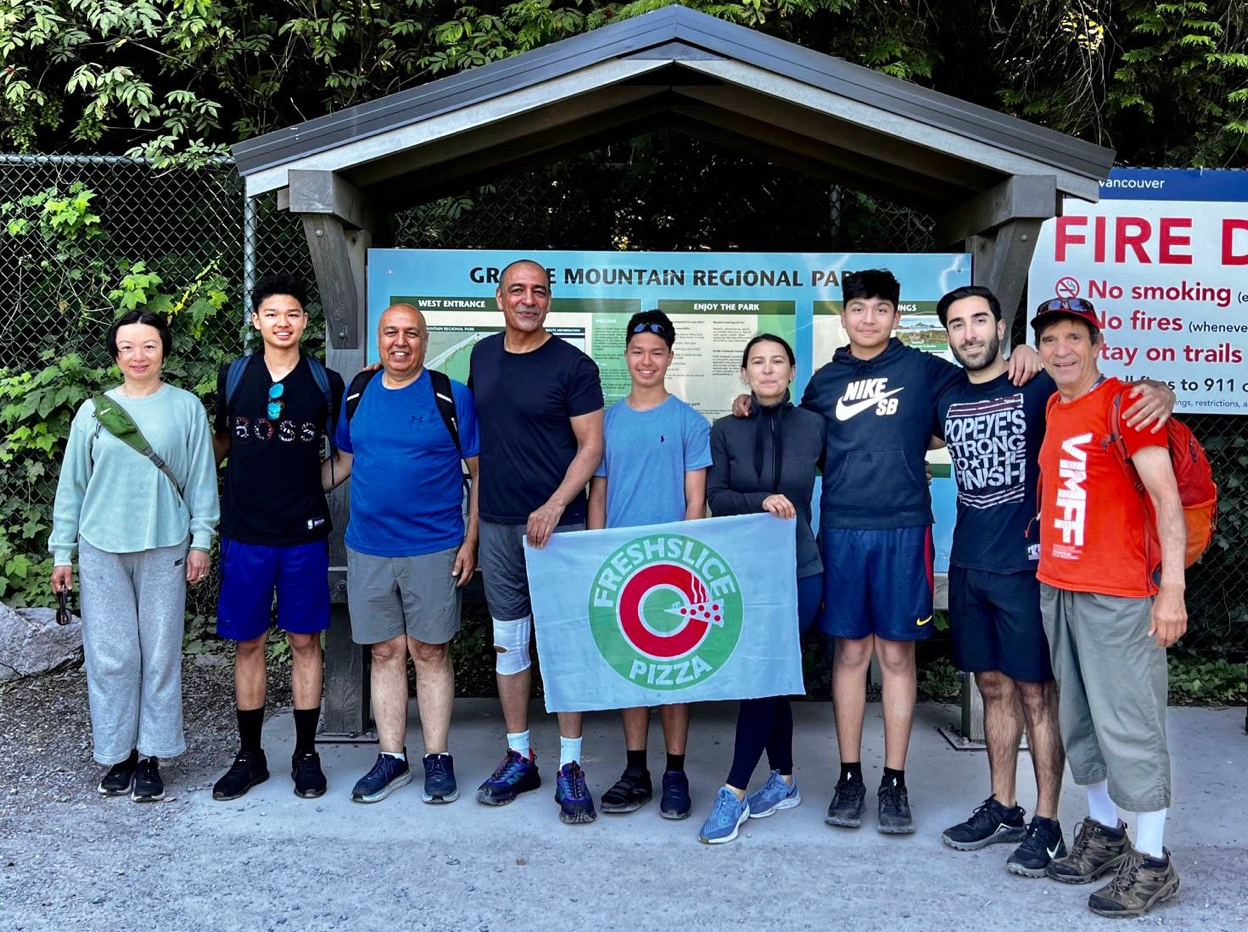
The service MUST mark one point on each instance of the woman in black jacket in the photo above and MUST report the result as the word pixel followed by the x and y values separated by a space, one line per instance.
pixel 766 462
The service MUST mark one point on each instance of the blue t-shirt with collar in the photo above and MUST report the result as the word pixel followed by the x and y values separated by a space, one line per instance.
pixel 406 479
pixel 646 455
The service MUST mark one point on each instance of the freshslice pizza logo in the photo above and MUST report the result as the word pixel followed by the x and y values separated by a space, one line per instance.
pixel 665 611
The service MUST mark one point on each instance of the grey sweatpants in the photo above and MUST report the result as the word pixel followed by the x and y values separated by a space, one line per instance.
pixel 133 608
pixel 1112 690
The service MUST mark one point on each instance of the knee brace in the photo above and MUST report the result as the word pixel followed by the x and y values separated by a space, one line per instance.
pixel 511 645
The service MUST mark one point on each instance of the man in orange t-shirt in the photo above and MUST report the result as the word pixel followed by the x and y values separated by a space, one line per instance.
pixel 1109 613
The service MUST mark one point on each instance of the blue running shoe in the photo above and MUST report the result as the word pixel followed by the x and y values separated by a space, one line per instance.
pixel 514 775
pixel 726 817
pixel 773 796
pixel 675 802
pixel 576 806
pixel 387 775
pixel 440 786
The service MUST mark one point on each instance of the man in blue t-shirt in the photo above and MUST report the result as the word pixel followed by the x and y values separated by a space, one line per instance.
pixel 409 549
pixel 653 470
pixel 994 430
pixel 540 402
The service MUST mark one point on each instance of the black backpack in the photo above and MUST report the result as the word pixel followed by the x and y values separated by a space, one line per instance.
pixel 442 394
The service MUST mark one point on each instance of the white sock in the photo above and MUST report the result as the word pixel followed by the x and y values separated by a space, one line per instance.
pixel 397 755
pixel 519 743
pixel 569 750
pixel 1150 829
pixel 1100 806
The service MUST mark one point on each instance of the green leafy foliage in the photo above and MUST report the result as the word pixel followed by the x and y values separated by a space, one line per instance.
pixel 37 406
pixel 1207 682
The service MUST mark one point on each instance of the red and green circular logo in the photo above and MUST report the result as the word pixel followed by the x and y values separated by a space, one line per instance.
pixel 665 611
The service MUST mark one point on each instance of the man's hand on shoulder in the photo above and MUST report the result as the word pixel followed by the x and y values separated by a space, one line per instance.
pixel 1024 365
pixel 1154 403
pixel 542 524
pixel 741 406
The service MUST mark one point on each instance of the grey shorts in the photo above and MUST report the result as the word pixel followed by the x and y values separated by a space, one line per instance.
pixel 500 554
pixel 392 596
pixel 1112 691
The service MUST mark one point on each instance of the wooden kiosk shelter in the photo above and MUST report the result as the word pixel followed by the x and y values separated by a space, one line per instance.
pixel 990 179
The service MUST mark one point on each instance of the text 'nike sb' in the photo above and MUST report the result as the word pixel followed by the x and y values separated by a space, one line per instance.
pixel 864 394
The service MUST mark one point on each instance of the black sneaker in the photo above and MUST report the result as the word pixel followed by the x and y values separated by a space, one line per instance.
pixel 305 770
pixel 1042 844
pixel 250 768
pixel 148 787
pixel 895 816
pixel 848 800
pixel 990 824
pixel 632 791
pixel 120 777
pixel 675 802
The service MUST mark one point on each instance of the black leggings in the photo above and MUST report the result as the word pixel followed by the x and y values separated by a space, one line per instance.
pixel 767 723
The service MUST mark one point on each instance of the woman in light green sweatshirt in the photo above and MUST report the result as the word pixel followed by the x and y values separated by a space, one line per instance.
pixel 142 533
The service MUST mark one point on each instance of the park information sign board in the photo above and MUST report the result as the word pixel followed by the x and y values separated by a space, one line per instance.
pixel 1164 259
pixel 717 301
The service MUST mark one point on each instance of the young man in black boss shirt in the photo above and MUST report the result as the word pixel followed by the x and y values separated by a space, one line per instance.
pixel 272 413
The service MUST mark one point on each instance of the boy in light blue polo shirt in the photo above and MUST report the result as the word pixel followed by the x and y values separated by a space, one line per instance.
pixel 656 453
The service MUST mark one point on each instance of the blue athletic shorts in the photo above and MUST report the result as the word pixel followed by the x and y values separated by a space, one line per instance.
pixel 996 624
pixel 252 573
pixel 877 582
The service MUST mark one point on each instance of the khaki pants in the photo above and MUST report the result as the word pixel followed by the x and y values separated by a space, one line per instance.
pixel 1113 688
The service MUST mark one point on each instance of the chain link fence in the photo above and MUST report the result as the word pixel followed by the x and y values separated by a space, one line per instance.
pixel 667 193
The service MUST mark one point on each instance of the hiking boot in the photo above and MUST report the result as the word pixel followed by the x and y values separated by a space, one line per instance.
pixel 1140 884
pixel 773 796
pixel 990 824
pixel 387 775
pixel 440 785
pixel 514 775
pixel 675 802
pixel 250 768
pixel 632 791
pixel 727 814
pixel 1096 850
pixel 576 806
pixel 1042 844
pixel 848 800
pixel 148 787
pixel 894 816
pixel 119 780
pixel 305 770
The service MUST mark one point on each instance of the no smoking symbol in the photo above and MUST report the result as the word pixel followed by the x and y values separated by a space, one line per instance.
pixel 1066 287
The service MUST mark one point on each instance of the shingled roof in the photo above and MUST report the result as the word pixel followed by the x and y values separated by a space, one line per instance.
pixel 692 72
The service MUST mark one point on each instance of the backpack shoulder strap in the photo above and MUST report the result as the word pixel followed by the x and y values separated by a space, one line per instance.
pixel 321 376
pixel 234 377
pixel 444 395
pixel 356 389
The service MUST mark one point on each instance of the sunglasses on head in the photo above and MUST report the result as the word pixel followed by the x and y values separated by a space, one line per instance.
pixel 276 405
pixel 1078 305
pixel 653 328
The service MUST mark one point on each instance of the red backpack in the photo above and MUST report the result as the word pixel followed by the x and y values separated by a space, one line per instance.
pixel 1197 491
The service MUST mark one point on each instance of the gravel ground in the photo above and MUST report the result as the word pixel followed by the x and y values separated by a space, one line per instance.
pixel 45 732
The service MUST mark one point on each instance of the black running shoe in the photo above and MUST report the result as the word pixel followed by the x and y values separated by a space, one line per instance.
pixel 1041 846
pixel 119 780
pixel 848 800
pixel 990 824
pixel 632 791
pixel 148 787
pixel 305 770
pixel 250 768
pixel 895 818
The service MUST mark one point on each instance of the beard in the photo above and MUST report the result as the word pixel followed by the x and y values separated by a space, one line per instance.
pixel 992 349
